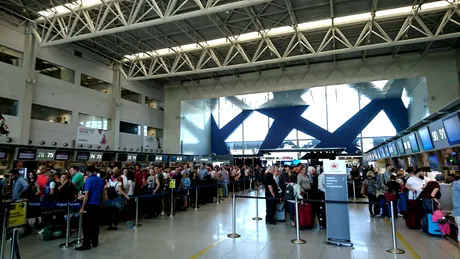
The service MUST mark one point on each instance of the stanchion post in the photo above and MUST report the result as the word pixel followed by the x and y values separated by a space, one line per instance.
pixel 5 226
pixel 233 234
pixel 354 190
pixel 297 228
pixel 196 197
pixel 80 227
pixel 395 249
pixel 257 207
pixel 244 185
pixel 137 213
pixel 172 203
pixel 217 194
pixel 14 244
pixel 67 243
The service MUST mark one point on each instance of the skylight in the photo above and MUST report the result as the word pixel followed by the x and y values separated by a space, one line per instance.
pixel 68 8
pixel 285 30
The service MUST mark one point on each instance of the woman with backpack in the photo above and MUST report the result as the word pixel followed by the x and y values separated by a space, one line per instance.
pixel 114 193
pixel 369 189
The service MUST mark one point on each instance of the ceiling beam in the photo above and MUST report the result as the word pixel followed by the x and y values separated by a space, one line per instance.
pixel 163 18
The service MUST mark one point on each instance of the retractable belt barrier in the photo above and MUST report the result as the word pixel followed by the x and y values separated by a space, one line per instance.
pixel 393 250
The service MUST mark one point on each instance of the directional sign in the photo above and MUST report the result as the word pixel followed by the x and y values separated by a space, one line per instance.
pixel 17 214
pixel 95 156
pixel 45 155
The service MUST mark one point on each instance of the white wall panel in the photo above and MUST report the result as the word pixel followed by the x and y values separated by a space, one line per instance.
pixel 129 141
pixel 195 130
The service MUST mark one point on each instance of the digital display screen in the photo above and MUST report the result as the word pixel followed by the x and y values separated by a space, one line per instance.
pixel 173 158
pixel 425 137
pixel 26 154
pixel 108 156
pixel 382 153
pixel 3 153
pixel 387 153
pixel 165 158
pixel 434 164
pixel 413 143
pixel 452 127
pixel 122 157
pixel 394 149
pixel 151 158
pixel 190 159
pixel 82 156
pixel 400 144
pixel 62 155
pixel 141 157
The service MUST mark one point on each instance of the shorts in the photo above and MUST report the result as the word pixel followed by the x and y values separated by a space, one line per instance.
pixel 457 221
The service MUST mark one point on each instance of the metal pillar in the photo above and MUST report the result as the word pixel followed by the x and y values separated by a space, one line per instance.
pixel 233 234
pixel 395 249
pixel 297 230
pixel 67 243
pixel 256 218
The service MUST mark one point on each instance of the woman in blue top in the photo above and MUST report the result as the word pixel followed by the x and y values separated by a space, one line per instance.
pixel 185 185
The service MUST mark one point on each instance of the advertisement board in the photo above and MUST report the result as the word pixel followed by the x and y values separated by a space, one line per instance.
pixel 90 136
pixel 151 142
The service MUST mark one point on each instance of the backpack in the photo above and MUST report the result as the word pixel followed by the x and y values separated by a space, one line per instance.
pixel 371 186
pixel 290 196
pixel 112 191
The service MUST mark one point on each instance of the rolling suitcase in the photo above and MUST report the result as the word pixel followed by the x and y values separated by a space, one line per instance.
pixel 433 227
pixel 306 216
pixel 280 214
pixel 412 215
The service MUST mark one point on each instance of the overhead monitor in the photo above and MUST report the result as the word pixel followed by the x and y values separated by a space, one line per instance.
pixel 165 158
pixel 173 158
pixel 141 157
pixel 400 144
pixel 151 158
pixel 26 154
pixel 3 153
pixel 452 127
pixel 122 157
pixel 82 156
pixel 413 143
pixel 108 156
pixel 425 137
pixel 62 155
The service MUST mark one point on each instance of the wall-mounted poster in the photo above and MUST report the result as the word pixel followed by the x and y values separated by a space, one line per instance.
pixel 90 136
pixel 152 142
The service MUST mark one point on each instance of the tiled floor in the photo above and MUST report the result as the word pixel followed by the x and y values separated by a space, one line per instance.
pixel 203 234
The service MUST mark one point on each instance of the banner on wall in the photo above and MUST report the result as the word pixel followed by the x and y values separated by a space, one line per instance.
pixel 91 136
pixel 151 142
pixel 3 126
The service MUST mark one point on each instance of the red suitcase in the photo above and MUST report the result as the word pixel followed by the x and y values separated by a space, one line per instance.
pixel 413 214
pixel 306 216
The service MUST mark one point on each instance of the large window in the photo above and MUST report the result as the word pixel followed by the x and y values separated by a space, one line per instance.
pixel 8 106
pixel 130 128
pixel 59 72
pixel 130 95
pixel 95 122
pixel 95 84
pixel 150 131
pixel 10 56
pixel 51 114
pixel 329 107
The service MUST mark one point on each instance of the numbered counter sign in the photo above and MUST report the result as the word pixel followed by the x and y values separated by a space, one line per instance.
pixel 172 184
pixel 17 214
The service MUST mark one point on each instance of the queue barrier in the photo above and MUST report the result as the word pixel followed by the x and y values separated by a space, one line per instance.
pixel 297 240
pixel 75 205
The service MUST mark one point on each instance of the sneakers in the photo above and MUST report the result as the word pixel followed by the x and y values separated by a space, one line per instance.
pixel 378 216
pixel 162 213
pixel 400 215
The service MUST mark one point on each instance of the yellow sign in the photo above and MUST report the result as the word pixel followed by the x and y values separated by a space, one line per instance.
pixel 172 184
pixel 17 214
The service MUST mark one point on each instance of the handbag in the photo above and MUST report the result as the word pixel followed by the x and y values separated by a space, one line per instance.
pixel 390 197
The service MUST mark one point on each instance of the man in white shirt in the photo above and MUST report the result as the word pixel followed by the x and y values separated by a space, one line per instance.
pixel 322 184
pixel 415 184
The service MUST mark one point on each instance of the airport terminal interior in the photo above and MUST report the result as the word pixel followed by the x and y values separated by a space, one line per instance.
pixel 230 129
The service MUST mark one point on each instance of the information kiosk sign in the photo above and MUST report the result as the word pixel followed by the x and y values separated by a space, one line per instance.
pixel 338 228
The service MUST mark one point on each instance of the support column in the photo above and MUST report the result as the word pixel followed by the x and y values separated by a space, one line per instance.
pixel 116 108
pixel 25 104
pixel 172 132
pixel 443 85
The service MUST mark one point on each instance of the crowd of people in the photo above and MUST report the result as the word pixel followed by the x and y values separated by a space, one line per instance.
pixel 109 194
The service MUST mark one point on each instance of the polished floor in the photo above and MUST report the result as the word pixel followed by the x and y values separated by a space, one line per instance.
pixel 203 234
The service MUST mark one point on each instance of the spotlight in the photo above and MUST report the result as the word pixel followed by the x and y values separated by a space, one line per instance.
pixel 42 142
pixel 8 140
pixel 90 146
pixel 98 146
pixel 137 149
pixel 65 144
pixel 131 149
pixel 30 142
pixel 80 145
pixel 106 147
pixel 54 143
pixel 124 148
